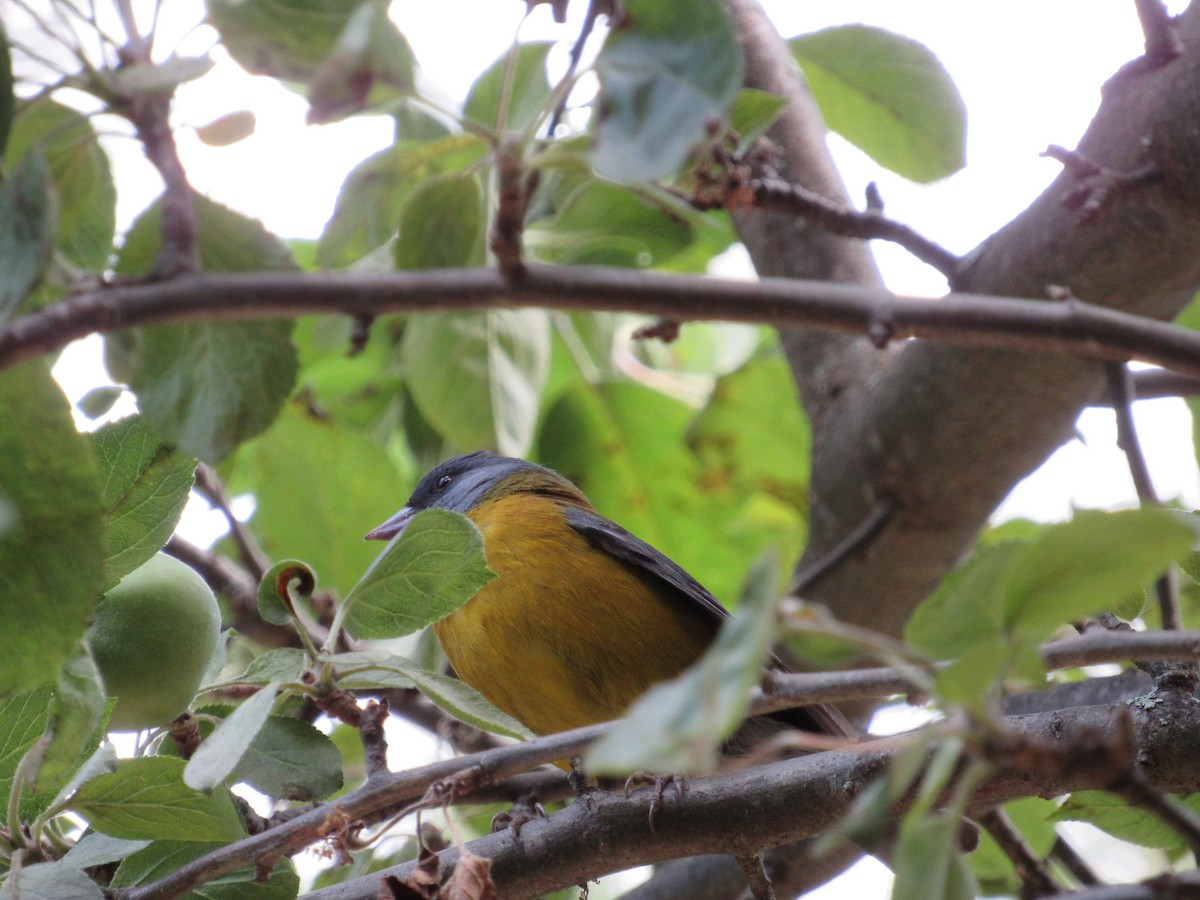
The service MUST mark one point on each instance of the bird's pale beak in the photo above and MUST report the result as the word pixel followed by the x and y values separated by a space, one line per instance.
pixel 392 527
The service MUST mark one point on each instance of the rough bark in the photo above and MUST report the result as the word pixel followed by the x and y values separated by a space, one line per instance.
pixel 947 431
pixel 747 812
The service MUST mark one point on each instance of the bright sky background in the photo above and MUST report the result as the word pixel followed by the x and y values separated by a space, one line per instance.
pixel 1029 71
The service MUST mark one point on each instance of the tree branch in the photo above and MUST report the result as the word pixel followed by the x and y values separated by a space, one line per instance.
pixel 744 813
pixel 474 778
pixel 948 430
pixel 1120 387
pixel 829 370
pixel 1069 327
pixel 1029 867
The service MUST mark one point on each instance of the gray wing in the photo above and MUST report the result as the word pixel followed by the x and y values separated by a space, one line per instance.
pixel 616 541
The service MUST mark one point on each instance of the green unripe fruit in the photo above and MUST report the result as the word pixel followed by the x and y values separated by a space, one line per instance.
pixel 152 639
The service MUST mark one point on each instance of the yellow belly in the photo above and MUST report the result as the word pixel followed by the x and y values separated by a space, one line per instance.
pixel 566 635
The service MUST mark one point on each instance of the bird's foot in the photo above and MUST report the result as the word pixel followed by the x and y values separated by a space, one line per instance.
pixel 583 787
pixel 524 811
pixel 658 786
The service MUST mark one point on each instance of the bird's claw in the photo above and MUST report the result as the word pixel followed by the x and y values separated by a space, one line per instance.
pixel 658 786
pixel 522 813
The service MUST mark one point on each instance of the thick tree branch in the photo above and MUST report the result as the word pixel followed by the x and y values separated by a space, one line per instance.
pixel 949 430
pixel 475 777
pixel 1068 327
pixel 383 793
pixel 744 813
pixel 829 369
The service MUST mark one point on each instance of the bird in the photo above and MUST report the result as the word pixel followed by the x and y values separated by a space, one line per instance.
pixel 582 616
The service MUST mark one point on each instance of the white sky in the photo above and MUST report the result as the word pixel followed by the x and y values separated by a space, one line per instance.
pixel 1029 71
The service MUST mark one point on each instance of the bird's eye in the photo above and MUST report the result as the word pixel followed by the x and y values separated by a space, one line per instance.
pixel 444 482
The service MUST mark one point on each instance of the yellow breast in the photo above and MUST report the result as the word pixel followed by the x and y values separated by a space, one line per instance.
pixel 566 635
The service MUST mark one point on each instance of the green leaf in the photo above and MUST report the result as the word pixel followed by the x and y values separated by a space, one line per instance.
pixel 370 62
pixel 99 400
pixel 527 94
pixel 435 566
pixel 50 881
pixel 604 224
pixel 219 754
pixel 101 761
pixel 416 123
pixel 286 39
pixel 145 487
pixel 275 603
pixel 23 719
pixel 163 857
pixel 1113 815
pixel 148 78
pixel 370 670
pixel 75 711
pixel 927 862
pixel 95 849
pixel 752 113
pixel 500 359
pixel 871 821
pixel 367 212
pixel 229 129
pixel 1090 564
pixel 680 725
pixel 6 89
pixel 742 441
pixel 667 76
pixel 889 95
pixel 442 224
pixel 461 700
pixel 966 611
pixel 319 487
pixel 51 530
pixel 206 387
pixel 280 664
pixel 146 798
pixel 80 172
pixel 291 760
pixel 974 679
pixel 27 230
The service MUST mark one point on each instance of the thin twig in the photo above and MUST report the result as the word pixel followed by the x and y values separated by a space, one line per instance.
pixel 1150 384
pixel 1029 866
pixel 856 540
pixel 774 193
pixel 596 8
pixel 1091 648
pixel 209 484
pixel 1065 854
pixel 1121 396
pixel 150 114
pixel 1166 586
